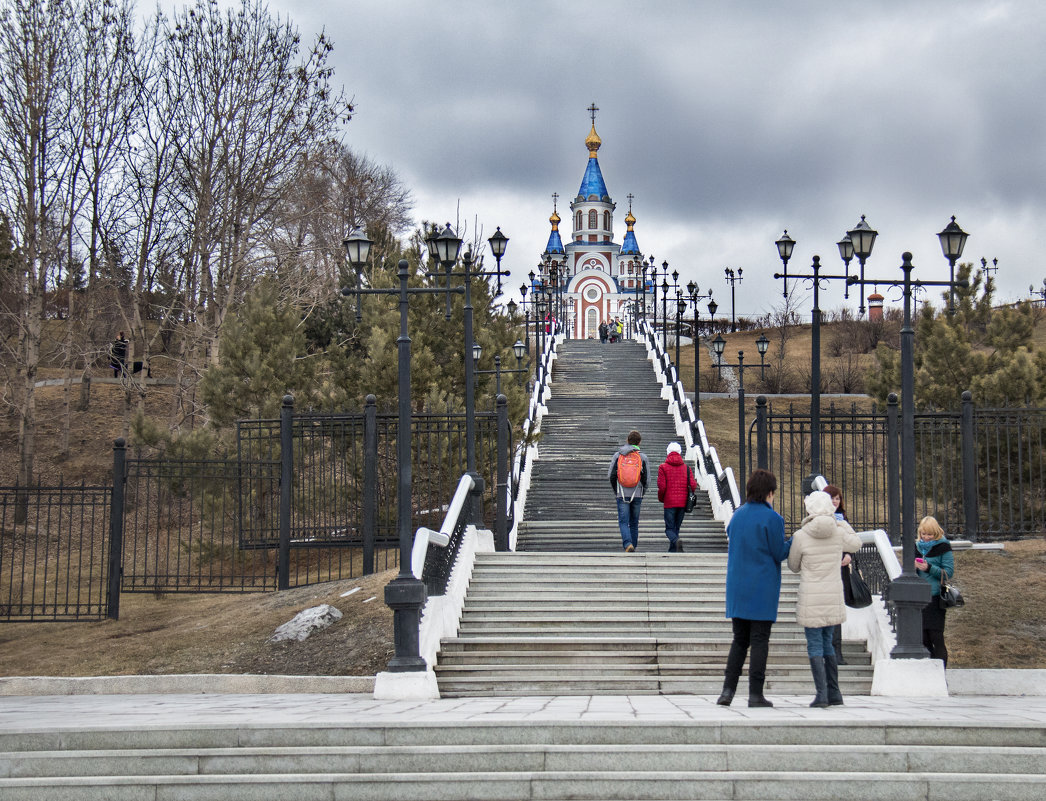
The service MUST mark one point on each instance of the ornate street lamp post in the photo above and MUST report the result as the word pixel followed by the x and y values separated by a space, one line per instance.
pixel 498 242
pixel 405 594
pixel 680 311
pixel 784 250
pixel 718 346
pixel 908 593
pixel 953 240
pixel 862 237
pixel 733 281
pixel 815 361
pixel 846 253
pixel 692 293
pixel 1040 292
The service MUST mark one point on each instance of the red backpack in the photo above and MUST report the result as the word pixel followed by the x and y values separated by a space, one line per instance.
pixel 629 469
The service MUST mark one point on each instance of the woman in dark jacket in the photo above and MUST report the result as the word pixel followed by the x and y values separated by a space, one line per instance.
pixel 675 481
pixel 756 548
pixel 934 559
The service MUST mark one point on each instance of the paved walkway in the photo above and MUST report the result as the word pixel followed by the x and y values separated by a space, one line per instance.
pixel 80 713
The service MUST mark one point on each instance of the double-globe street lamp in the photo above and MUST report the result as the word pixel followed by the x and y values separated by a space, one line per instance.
pixel 718 346
pixel 447 248
pixel 733 279
pixel 1040 292
pixel 908 592
pixel 815 360
pixel 405 594
pixel 693 291
pixel 517 349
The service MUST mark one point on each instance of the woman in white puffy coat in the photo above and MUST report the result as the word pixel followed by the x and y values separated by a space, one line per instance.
pixel 817 549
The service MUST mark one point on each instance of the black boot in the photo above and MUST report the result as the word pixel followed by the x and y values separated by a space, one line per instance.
pixel 729 688
pixel 820 682
pixel 755 692
pixel 831 673
pixel 837 645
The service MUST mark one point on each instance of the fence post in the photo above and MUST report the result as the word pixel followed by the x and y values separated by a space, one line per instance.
pixel 969 468
pixel 370 481
pixel 893 469
pixel 112 602
pixel 761 449
pixel 501 504
pixel 283 556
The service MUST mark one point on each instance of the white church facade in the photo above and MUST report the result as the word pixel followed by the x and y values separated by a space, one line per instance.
pixel 600 279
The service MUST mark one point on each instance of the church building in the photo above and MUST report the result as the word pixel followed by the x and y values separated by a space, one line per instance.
pixel 598 278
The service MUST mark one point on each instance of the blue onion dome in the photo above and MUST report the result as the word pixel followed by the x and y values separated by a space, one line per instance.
pixel 555 244
pixel 629 246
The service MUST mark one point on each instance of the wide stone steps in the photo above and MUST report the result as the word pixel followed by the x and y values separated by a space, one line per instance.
pixel 619 760
pixel 616 623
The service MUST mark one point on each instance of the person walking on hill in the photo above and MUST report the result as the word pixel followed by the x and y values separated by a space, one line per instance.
pixel 118 355
pixel 757 546
pixel 816 550
pixel 628 478
pixel 675 482
pixel 933 560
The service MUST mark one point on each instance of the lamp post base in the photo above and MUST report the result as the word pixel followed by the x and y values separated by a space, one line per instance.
pixel 909 594
pixel 405 596
pixel 417 686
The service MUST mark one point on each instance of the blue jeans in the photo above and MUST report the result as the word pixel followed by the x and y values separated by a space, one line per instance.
pixel 819 641
pixel 628 520
pixel 673 520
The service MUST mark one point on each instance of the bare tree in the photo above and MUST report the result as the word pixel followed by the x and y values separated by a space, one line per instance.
pixel 252 109
pixel 38 161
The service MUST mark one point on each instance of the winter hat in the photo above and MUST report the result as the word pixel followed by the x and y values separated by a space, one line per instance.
pixel 819 503
pixel 673 447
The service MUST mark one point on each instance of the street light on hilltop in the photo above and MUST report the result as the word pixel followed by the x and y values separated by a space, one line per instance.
pixel 862 237
pixel 784 250
pixel 846 253
pixel 953 240
pixel 733 280
pixel 718 346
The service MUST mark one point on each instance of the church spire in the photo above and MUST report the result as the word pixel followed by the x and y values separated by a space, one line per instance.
pixel 629 247
pixel 555 244
pixel 592 185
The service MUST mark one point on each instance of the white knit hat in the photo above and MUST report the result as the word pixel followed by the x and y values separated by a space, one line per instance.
pixel 819 503
pixel 673 447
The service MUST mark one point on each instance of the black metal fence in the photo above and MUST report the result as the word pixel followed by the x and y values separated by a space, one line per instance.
pixel 308 498
pixel 980 472
pixel 54 552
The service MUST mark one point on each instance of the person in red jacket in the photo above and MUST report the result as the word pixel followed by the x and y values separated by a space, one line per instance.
pixel 674 482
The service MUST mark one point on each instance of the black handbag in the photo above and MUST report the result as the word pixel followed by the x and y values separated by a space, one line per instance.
pixel 861 595
pixel 950 596
pixel 691 496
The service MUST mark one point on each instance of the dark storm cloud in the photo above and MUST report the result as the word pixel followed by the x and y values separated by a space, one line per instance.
pixel 727 121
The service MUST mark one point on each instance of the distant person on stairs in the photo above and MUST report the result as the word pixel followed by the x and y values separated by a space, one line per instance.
pixel 603 332
pixel 628 478
pixel 675 481
pixel 757 546
pixel 816 551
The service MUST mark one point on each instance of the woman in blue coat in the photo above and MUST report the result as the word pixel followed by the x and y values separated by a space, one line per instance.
pixel 757 546
pixel 934 557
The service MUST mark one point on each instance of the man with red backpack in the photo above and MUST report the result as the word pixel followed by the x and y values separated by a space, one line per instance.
pixel 628 479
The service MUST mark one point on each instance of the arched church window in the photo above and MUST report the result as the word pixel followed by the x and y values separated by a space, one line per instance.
pixel 606 220
pixel 593 219
pixel 578 225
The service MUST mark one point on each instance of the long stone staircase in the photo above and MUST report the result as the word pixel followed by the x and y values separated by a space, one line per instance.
pixel 599 394
pixel 569 613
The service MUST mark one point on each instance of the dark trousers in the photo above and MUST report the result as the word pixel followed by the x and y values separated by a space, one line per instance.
pixel 754 634
pixel 933 640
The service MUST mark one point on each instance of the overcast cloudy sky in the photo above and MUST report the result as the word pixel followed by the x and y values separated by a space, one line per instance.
pixel 728 122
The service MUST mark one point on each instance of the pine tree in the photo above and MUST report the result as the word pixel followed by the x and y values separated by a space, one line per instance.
pixel 262 357
pixel 974 346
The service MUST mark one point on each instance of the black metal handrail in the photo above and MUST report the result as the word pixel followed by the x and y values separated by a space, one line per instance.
pixel 433 565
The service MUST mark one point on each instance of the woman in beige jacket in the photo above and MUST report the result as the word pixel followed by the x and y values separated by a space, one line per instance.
pixel 817 548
